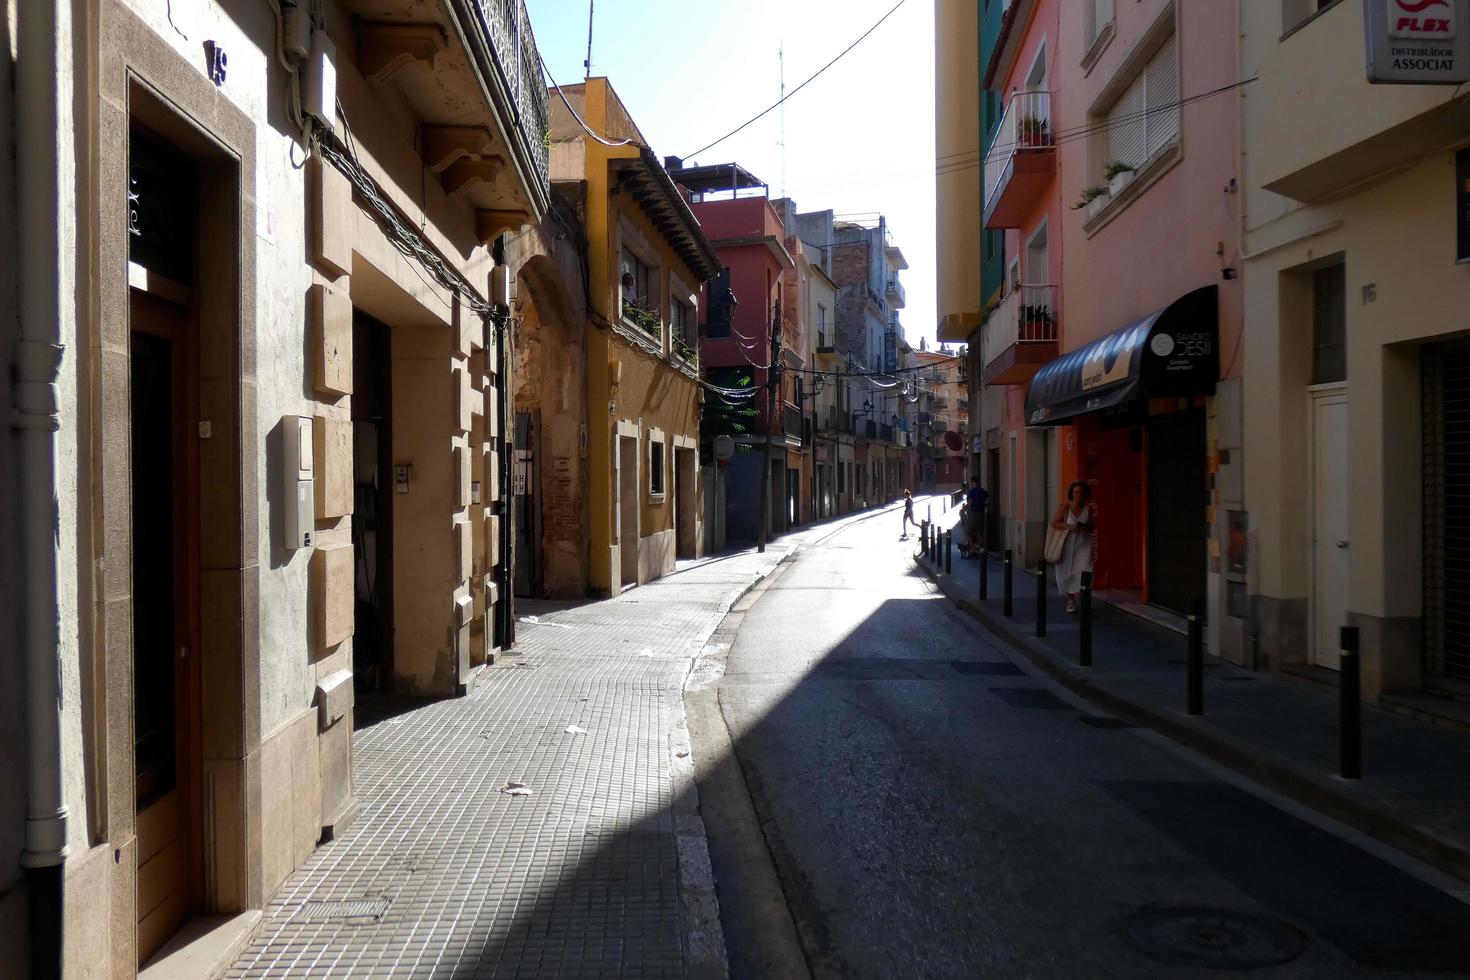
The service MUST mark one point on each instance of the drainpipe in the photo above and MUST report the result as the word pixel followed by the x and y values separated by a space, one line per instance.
pixel 36 419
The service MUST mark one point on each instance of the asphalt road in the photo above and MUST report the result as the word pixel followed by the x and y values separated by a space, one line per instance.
pixel 934 809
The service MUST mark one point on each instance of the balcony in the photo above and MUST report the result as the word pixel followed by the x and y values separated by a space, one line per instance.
pixel 1021 335
pixel 475 92
pixel 895 294
pixel 1021 161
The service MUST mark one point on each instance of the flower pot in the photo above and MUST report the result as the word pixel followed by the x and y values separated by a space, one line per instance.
pixel 1095 206
pixel 1119 181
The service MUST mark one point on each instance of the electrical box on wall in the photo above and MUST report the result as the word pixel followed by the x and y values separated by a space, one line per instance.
pixel 319 80
pixel 298 476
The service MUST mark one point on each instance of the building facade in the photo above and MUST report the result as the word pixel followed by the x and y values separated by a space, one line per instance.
pixel 1355 352
pixel 261 370
pixel 648 262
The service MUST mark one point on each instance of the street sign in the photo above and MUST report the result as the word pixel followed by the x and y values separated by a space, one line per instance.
pixel 1417 42
pixel 724 447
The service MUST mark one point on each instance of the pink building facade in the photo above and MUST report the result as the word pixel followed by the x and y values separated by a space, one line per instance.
pixel 1119 184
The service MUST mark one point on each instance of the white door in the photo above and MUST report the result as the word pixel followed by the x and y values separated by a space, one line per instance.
pixel 1329 524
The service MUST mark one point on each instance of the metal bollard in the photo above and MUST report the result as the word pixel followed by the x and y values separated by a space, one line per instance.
pixel 1005 600
pixel 1041 597
pixel 1196 660
pixel 984 575
pixel 1084 621
pixel 1351 716
pixel 949 552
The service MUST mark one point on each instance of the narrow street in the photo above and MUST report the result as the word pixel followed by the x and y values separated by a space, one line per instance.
pixel 933 808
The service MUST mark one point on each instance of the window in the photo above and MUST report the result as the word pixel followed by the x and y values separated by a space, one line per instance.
pixel 1329 325
pixel 684 338
pixel 655 467
pixel 821 325
pixel 1295 13
pixel 1145 119
pixel 640 302
pixel 1099 14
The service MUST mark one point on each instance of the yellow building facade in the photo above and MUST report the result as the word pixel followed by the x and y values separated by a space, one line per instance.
pixel 647 259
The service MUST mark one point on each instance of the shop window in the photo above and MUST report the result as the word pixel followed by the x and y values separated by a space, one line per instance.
pixel 1329 325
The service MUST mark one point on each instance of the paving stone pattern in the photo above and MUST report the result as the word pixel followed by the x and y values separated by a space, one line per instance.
pixel 579 879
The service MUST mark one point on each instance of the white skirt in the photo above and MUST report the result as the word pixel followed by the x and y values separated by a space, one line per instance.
pixel 1076 559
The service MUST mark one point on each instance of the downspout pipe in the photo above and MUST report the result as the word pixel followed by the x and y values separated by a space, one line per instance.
pixel 36 418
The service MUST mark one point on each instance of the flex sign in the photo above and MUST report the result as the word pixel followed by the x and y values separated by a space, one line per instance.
pixel 1418 42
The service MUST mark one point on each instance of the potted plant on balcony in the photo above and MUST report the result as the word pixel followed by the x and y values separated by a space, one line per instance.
pixel 1094 199
pixel 1119 175
pixel 1033 131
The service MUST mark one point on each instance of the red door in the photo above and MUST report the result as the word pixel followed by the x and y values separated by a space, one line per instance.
pixel 1113 463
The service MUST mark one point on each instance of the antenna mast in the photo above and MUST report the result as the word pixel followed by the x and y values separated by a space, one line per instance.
pixel 781 62
pixel 591 6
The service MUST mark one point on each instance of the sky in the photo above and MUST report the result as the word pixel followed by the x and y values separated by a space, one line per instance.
pixel 858 140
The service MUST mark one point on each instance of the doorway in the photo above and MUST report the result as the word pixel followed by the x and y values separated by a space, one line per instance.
pixel 686 481
pixel 372 516
pixel 628 509
pixel 1178 493
pixel 166 618
pixel 527 499
pixel 1329 523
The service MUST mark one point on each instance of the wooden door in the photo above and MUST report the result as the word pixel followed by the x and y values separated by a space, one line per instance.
pixel 165 567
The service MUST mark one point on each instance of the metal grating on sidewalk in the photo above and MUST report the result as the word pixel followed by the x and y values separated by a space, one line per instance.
pixel 372 908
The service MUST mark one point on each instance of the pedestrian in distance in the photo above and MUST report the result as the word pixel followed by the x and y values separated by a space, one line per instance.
pixel 1074 518
pixel 973 517
pixel 908 515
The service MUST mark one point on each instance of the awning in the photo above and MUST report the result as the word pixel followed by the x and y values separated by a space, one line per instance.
pixel 1173 353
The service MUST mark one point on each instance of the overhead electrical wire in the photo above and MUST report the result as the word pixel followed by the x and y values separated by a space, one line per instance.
pixel 771 108
pixel 580 121
pixel 1083 132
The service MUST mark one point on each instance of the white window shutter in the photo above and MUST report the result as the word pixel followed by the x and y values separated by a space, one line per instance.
pixel 1127 139
pixel 1162 88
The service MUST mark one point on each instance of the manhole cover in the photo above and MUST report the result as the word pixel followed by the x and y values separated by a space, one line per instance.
pixel 1215 938
pixel 354 911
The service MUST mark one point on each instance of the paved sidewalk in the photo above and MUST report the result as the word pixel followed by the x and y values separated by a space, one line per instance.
pixel 1413 794
pixel 601 871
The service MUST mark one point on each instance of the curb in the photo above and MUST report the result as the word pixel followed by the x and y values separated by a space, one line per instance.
pixel 1316 792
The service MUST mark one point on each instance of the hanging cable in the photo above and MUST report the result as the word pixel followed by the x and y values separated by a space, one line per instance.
pixel 765 112
pixel 580 121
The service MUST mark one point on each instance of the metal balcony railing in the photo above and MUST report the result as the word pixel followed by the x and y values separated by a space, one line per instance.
pixel 1028 315
pixel 508 27
pixel 791 420
pixel 895 293
pixel 1026 125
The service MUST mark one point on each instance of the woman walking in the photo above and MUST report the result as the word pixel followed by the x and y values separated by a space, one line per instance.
pixel 1075 518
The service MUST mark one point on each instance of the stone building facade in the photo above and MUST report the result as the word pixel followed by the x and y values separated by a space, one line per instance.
pixel 259 425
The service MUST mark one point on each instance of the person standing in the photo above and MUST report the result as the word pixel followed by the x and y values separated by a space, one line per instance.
pixel 1075 517
pixel 974 519
pixel 908 514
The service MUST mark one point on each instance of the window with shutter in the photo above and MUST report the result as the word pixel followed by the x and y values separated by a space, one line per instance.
pixel 1099 16
pixel 1162 97
pixel 1127 139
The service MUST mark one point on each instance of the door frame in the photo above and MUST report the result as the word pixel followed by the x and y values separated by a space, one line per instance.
pixel 1336 391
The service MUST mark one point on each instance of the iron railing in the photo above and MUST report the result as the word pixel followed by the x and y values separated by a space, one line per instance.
pixel 1026 125
pixel 508 27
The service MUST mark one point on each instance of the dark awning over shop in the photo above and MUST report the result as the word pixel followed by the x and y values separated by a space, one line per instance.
pixel 1173 353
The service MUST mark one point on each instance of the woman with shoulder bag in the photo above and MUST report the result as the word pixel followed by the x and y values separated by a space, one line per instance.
pixel 1069 541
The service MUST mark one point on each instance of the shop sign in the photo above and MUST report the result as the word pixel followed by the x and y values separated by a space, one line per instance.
pixel 824 453
pixel 1417 42
pixel 1462 205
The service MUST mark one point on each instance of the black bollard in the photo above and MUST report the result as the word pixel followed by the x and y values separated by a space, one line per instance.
pixel 1196 660
pixel 1350 681
pixel 984 575
pixel 949 552
pixel 1041 597
pixel 1084 621
pixel 1005 578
